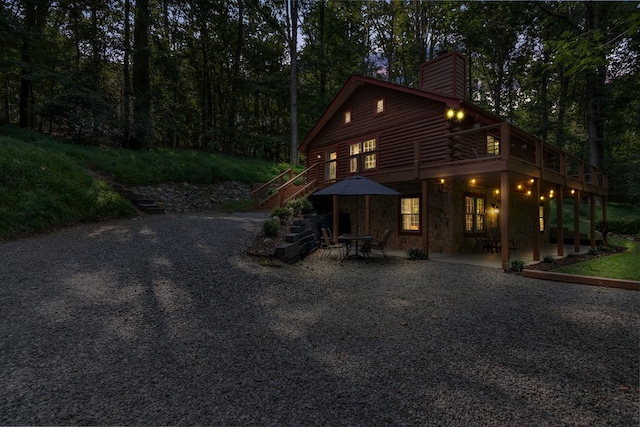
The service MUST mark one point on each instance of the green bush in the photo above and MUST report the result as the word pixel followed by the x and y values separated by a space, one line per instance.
pixel 282 213
pixel 417 254
pixel 515 264
pixel 300 206
pixel 624 225
pixel 270 227
pixel 549 259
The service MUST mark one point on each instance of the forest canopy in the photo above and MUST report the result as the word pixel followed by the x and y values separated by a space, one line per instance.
pixel 250 77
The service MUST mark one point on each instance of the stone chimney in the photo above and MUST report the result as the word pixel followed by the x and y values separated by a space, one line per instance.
pixel 445 74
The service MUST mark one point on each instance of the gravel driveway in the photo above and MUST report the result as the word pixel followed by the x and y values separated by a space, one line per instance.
pixel 165 321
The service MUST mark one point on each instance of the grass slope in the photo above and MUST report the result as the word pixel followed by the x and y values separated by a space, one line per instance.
pixel 619 266
pixel 45 183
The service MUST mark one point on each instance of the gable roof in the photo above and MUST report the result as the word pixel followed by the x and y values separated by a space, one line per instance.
pixel 356 81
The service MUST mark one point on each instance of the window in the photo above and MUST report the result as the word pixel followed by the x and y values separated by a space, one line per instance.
pixel 331 166
pixel 493 145
pixel 475 211
pixel 354 151
pixel 541 217
pixel 366 150
pixel 410 214
pixel 380 106
pixel 347 117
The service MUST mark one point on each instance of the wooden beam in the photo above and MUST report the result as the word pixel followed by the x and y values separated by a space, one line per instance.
pixel 424 212
pixel 535 217
pixel 504 220
pixel 336 231
pixel 367 214
pixel 592 215
pixel 576 221
pixel 560 231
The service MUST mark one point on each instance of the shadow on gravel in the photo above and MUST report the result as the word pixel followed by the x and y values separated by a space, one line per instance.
pixel 166 321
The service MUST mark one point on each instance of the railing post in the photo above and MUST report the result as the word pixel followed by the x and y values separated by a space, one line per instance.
pixel 416 159
pixel 505 140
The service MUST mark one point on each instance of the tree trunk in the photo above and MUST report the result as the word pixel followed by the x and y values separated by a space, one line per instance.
pixel 293 53
pixel 595 81
pixel 25 79
pixel 141 79
pixel 126 99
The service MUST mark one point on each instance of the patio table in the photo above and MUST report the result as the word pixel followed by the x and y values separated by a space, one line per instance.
pixel 357 238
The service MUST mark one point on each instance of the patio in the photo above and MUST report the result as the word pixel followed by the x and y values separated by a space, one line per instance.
pixel 494 260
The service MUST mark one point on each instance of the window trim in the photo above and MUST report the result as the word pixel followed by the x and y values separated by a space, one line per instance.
pixel 362 154
pixel 327 164
pixel 375 106
pixel 346 113
pixel 475 196
pixel 401 230
pixel 496 145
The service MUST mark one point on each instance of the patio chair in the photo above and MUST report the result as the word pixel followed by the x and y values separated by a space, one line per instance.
pixel 496 239
pixel 485 244
pixel 377 245
pixel 328 244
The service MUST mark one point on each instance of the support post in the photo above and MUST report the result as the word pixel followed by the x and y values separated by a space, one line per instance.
pixel 424 214
pixel 336 231
pixel 576 221
pixel 367 214
pixel 560 232
pixel 504 214
pixel 592 215
pixel 535 217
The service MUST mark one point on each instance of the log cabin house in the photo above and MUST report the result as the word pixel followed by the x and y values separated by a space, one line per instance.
pixel 462 171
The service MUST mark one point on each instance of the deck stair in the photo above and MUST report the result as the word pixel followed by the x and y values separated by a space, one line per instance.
pixel 284 187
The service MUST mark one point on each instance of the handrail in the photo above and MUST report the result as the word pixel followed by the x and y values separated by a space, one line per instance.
pixel 280 179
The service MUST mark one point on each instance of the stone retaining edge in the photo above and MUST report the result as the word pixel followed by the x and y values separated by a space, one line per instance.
pixel 584 280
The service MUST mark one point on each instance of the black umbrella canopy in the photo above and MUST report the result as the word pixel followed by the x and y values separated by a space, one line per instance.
pixel 356 185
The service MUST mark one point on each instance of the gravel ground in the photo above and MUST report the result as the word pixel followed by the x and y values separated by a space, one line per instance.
pixel 165 321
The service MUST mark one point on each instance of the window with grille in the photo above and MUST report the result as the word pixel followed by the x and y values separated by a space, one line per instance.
pixel 475 214
pixel 364 152
pixel 410 214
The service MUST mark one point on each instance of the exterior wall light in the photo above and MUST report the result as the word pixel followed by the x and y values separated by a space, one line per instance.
pixel 452 114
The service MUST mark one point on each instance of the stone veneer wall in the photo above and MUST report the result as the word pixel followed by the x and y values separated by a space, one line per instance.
pixel 446 216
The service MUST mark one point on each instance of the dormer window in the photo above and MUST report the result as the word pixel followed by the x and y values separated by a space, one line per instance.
pixel 347 117
pixel 380 106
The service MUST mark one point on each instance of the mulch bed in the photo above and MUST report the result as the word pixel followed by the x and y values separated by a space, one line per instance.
pixel 575 258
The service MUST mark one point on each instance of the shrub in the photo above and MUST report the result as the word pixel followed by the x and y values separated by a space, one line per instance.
pixel 515 264
pixel 549 259
pixel 270 227
pixel 300 206
pixel 593 251
pixel 282 213
pixel 624 225
pixel 417 253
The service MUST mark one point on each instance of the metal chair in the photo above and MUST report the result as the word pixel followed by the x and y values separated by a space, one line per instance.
pixel 378 245
pixel 328 244
pixel 483 243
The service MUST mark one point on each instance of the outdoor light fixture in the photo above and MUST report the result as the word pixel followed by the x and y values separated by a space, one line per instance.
pixel 496 208
pixel 441 186
pixel 532 180
pixel 497 191
pixel 452 114
pixel 529 193
pixel 519 186
pixel 573 191
pixel 542 198
pixel 473 180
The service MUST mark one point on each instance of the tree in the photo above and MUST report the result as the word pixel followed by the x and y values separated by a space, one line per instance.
pixel 141 76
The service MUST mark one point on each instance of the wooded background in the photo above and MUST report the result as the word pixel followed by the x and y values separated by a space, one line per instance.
pixel 251 77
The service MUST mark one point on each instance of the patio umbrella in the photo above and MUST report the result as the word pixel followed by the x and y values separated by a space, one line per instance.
pixel 357 185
